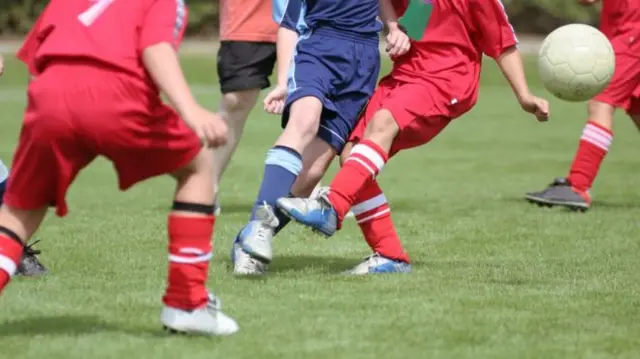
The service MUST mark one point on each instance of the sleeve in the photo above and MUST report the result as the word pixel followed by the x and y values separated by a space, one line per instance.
pixel 287 13
pixel 497 34
pixel 164 21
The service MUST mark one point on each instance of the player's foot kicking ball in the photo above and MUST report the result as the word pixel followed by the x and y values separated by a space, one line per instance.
pixel 561 193
pixel 30 266
pixel 317 213
pixel 378 264
pixel 256 237
pixel 208 320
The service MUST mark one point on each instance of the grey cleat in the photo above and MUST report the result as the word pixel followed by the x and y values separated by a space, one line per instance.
pixel 561 193
pixel 29 265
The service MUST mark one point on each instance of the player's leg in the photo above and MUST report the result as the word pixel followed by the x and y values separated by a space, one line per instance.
pixel 309 86
pixel 316 159
pixel 47 159
pixel 243 70
pixel 140 151
pixel 390 125
pixel 189 306
pixel 30 265
pixel 573 191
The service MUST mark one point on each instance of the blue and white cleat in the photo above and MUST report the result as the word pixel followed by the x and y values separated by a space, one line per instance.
pixel 255 237
pixel 376 264
pixel 243 263
pixel 317 213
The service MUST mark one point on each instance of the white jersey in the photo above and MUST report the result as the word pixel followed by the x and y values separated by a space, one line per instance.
pixel 4 172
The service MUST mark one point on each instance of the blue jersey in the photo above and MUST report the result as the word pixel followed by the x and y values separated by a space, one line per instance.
pixel 355 17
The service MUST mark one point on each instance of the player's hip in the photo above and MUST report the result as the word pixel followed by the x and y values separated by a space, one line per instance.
pixel 91 86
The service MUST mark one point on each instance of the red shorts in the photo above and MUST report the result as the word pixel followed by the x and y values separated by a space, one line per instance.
pixel 624 89
pixel 77 112
pixel 420 109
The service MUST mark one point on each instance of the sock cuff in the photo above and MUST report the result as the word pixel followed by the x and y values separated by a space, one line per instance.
pixel 597 135
pixel 370 155
pixel 285 157
pixel 374 146
pixel 596 126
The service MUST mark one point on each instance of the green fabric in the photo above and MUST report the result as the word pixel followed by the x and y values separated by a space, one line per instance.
pixel 416 18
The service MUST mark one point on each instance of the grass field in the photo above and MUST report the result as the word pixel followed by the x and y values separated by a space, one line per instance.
pixel 493 276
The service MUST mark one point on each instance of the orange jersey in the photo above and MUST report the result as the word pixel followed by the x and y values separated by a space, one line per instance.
pixel 247 20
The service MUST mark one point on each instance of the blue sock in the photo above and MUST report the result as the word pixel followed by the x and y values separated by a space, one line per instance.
pixel 281 169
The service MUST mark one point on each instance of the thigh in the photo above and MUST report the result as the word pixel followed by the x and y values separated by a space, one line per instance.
pixel 245 65
pixel 144 145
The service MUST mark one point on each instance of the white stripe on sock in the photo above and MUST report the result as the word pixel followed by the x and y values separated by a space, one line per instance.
pixel 8 265
pixel 190 260
pixel 369 204
pixel 369 154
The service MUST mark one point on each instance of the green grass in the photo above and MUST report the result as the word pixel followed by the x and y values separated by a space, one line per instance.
pixel 493 276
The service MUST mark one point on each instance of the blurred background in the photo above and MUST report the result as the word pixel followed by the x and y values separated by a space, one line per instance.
pixel 533 17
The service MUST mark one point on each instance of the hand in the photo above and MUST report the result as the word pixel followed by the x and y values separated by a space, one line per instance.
pixel 1 65
pixel 536 106
pixel 587 2
pixel 274 102
pixel 398 42
pixel 209 127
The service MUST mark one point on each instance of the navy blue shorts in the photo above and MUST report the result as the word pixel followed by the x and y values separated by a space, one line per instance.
pixel 340 71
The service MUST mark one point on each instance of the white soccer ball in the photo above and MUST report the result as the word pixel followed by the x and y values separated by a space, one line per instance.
pixel 576 62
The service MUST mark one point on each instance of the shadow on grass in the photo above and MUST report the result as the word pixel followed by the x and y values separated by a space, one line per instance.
pixel 56 325
pixel 286 264
pixel 76 325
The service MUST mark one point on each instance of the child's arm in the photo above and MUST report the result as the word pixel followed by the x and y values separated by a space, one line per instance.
pixel 397 40
pixel 285 46
pixel 1 65
pixel 286 14
pixel 510 63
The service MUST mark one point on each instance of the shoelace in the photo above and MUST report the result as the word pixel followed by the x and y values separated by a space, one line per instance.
pixel 30 251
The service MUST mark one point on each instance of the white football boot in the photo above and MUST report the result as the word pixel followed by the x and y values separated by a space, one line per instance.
pixel 376 264
pixel 320 191
pixel 208 320
pixel 256 237
pixel 244 264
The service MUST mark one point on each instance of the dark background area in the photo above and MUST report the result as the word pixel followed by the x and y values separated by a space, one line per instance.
pixel 527 16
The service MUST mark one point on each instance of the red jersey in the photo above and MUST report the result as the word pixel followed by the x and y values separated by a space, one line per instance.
pixel 108 32
pixel 449 55
pixel 620 22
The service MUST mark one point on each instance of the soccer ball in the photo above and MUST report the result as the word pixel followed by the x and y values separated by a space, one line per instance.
pixel 576 62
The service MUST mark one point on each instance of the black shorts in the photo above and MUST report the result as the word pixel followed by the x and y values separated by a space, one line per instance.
pixel 245 65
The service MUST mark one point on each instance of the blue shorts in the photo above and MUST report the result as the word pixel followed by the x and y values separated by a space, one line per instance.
pixel 339 70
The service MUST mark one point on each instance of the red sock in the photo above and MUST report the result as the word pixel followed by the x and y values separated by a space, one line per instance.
pixel 190 246
pixel 10 255
pixel 594 145
pixel 365 162
pixel 374 218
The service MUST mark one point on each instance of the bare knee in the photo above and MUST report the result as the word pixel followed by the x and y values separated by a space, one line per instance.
pixel 303 124
pixel 239 101
pixel 201 165
pixel 601 113
pixel 382 129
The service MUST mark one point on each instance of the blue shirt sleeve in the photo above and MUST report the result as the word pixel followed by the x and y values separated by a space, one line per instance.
pixel 287 13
